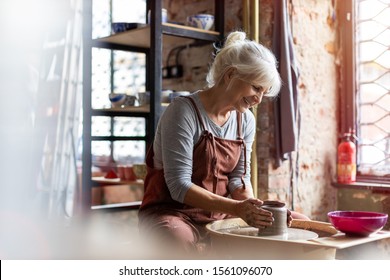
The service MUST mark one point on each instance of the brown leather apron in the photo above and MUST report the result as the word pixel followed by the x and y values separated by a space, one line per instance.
pixel 213 160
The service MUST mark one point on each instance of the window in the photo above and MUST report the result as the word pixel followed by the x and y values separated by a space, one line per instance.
pixel 120 139
pixel 365 84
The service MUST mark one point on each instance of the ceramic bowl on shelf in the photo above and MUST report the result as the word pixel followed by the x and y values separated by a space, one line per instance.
pixel 357 223
pixel 164 15
pixel 117 99
pixel 118 27
pixel 202 21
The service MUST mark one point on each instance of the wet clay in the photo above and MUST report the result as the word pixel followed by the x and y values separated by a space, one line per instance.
pixel 279 225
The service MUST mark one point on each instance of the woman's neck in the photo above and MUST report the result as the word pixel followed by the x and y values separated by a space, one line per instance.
pixel 216 105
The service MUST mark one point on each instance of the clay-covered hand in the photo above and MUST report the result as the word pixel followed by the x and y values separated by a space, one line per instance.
pixel 249 210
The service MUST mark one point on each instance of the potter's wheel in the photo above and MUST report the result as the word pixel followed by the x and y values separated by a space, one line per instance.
pixel 235 239
pixel 292 233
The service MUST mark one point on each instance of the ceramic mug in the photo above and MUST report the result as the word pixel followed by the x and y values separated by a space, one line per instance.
pixel 144 98
pixel 164 15
pixel 121 171
pixel 175 94
pixel 129 173
pixel 130 100
pixel 165 95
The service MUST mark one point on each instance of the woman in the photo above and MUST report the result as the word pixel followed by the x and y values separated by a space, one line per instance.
pixel 199 165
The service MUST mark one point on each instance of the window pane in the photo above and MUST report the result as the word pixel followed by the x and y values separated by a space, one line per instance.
pixel 124 126
pixel 101 126
pixel 101 78
pixel 101 18
pixel 129 72
pixel 101 148
pixel 129 11
pixel 129 152
pixel 373 86
pixel 107 11
pixel 101 154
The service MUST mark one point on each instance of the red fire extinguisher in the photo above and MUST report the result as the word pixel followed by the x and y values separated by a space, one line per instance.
pixel 346 160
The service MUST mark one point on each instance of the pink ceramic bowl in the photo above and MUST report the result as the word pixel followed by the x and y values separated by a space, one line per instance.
pixel 357 223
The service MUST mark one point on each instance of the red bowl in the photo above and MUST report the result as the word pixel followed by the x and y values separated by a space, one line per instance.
pixel 357 223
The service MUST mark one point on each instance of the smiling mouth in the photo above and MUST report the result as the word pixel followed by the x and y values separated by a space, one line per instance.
pixel 247 102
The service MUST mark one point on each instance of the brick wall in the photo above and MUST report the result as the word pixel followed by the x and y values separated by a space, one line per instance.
pixel 314 39
pixel 196 60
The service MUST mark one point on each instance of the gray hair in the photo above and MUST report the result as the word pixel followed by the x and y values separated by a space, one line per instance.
pixel 253 63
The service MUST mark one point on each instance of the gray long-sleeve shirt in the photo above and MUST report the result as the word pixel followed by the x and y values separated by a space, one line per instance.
pixel 179 130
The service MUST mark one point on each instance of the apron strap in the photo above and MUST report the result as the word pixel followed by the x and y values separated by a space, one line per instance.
pixel 239 126
pixel 239 137
pixel 197 111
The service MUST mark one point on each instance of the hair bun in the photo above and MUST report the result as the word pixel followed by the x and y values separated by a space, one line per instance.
pixel 234 37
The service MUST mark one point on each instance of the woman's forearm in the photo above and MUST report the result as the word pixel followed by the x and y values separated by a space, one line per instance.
pixel 242 193
pixel 201 198
pixel 246 209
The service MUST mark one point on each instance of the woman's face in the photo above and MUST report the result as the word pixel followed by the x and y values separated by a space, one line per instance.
pixel 245 95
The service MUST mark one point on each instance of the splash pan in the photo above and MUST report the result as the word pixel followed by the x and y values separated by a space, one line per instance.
pixel 292 233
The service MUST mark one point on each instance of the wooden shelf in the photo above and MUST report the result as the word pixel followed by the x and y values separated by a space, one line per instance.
pixel 363 186
pixel 117 181
pixel 130 109
pixel 124 111
pixel 172 33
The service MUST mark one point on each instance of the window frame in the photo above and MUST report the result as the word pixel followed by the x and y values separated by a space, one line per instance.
pixel 348 90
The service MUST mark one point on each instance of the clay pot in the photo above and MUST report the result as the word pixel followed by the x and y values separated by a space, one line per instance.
pixel 279 225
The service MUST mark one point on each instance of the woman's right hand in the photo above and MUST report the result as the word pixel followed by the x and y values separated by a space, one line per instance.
pixel 250 211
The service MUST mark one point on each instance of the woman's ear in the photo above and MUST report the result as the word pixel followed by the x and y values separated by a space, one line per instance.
pixel 229 74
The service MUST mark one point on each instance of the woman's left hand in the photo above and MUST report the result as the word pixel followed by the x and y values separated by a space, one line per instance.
pixel 289 218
